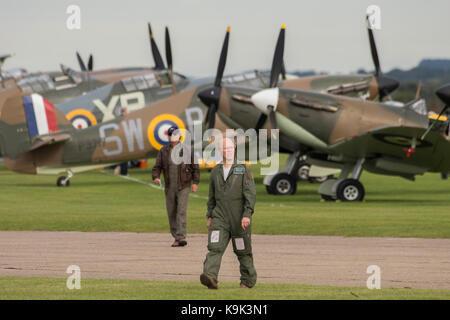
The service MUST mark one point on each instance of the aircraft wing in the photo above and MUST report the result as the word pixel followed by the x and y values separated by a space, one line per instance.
pixel 398 142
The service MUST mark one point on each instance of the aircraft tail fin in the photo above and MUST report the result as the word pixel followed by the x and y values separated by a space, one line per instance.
pixel 28 120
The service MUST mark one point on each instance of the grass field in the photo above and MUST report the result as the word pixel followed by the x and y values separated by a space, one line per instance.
pixel 52 288
pixel 99 202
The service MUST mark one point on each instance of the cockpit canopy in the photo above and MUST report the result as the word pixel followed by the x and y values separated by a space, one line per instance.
pixel 38 83
pixel 151 80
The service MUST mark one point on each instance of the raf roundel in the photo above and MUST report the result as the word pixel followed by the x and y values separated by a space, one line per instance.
pixel 81 118
pixel 158 127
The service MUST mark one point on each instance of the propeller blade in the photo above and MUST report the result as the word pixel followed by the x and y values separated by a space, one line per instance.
pixel 211 96
pixel 386 85
pixel 169 60
pixel 373 49
pixel 91 63
pixel 272 118
pixel 168 49
pixel 283 71
pixel 212 115
pixel 222 59
pixel 81 63
pixel 159 64
pixel 277 63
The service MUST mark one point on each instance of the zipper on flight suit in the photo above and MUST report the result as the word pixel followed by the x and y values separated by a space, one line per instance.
pixel 224 184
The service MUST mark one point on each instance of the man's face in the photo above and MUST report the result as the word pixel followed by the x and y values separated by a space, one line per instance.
pixel 174 137
pixel 227 150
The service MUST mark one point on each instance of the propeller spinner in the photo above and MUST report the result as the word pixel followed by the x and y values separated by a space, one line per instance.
pixel 267 100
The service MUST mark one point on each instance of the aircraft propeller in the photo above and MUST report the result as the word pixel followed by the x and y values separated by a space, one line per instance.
pixel 159 64
pixel 90 63
pixel 386 85
pixel 83 66
pixel 169 59
pixel 267 100
pixel 211 95
pixel 277 68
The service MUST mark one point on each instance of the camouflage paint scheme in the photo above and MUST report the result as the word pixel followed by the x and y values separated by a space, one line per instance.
pixel 345 129
pixel 107 102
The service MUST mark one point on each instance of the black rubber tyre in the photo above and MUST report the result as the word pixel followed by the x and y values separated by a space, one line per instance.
pixel 350 190
pixel 269 189
pixel 59 182
pixel 283 184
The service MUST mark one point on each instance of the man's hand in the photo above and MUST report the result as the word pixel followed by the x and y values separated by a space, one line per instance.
pixel 157 181
pixel 208 223
pixel 245 222
pixel 194 188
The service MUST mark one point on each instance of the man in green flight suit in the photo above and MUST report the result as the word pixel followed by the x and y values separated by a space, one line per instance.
pixel 230 205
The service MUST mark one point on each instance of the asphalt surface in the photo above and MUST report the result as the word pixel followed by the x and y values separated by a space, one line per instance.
pixel 320 260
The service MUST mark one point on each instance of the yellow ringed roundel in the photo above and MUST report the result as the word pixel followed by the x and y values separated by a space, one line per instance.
pixel 157 129
pixel 81 118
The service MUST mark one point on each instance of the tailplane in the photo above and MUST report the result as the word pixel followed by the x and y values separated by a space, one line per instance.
pixel 29 122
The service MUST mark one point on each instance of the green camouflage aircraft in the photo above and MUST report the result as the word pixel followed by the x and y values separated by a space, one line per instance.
pixel 37 138
pixel 7 77
pixel 134 88
pixel 139 91
pixel 61 86
pixel 334 131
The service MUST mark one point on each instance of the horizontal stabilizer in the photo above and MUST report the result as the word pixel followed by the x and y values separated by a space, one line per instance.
pixel 47 140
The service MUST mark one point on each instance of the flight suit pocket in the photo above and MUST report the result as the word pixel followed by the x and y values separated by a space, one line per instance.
pixel 242 244
pixel 217 240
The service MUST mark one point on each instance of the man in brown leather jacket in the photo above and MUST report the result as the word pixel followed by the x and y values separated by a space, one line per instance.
pixel 178 179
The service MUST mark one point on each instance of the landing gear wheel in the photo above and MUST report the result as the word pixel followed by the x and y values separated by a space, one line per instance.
pixel 269 190
pixel 283 184
pixel 61 182
pixel 350 190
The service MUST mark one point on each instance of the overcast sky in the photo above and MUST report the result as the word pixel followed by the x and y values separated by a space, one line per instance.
pixel 325 35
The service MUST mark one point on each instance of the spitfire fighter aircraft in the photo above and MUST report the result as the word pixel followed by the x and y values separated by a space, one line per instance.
pixel 36 138
pixel 48 145
pixel 60 86
pixel 335 131
pixel 10 76
pixel 141 90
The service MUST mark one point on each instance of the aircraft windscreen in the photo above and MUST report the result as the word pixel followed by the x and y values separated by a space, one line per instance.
pixel 36 84
pixel 250 79
pixel 420 107
pixel 140 82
